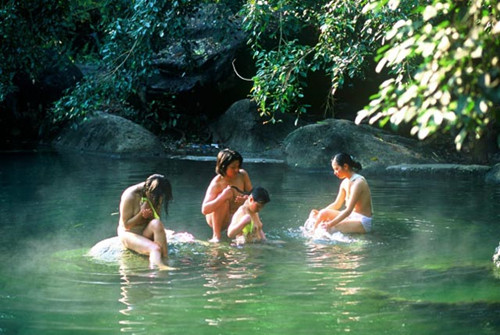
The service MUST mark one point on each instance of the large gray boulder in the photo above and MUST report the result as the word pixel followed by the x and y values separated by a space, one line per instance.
pixel 241 128
pixel 111 135
pixel 313 146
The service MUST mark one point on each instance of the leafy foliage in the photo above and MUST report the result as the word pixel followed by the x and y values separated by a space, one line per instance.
pixel 441 55
pixel 290 39
pixel 127 55
pixel 27 31
pixel 446 70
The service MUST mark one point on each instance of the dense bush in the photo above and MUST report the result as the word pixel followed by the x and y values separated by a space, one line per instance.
pixel 446 70
pixel 291 39
pixel 442 55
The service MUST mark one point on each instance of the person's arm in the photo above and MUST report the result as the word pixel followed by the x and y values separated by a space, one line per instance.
pixel 262 235
pixel 213 198
pixel 247 188
pixel 356 190
pixel 339 200
pixel 258 226
pixel 237 224
pixel 128 217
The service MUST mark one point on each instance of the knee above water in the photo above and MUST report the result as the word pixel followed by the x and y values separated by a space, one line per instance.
pixel 156 225
pixel 155 247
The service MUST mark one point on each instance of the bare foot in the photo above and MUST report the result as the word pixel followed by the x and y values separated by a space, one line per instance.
pixel 164 267
pixel 214 240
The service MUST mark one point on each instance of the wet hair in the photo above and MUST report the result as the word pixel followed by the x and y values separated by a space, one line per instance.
pixel 155 187
pixel 260 195
pixel 343 158
pixel 224 158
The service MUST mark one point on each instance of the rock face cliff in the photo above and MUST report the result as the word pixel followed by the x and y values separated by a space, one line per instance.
pixel 198 69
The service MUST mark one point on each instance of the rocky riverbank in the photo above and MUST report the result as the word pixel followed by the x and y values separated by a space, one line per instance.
pixel 300 146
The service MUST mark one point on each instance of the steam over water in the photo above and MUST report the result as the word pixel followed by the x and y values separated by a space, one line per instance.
pixel 426 268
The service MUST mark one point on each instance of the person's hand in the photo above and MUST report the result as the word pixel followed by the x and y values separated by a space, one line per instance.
pixel 257 225
pixel 240 199
pixel 324 225
pixel 227 193
pixel 146 211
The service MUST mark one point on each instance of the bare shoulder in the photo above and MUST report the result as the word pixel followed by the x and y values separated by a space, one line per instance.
pixel 130 192
pixel 245 178
pixel 215 185
pixel 344 184
pixel 360 183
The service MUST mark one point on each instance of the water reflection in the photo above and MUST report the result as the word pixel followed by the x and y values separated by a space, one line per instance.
pixel 231 277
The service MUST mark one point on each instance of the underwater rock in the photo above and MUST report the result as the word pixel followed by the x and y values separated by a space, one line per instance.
pixel 111 250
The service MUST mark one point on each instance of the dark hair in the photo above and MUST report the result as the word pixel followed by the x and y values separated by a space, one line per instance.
pixel 155 187
pixel 343 158
pixel 260 195
pixel 224 158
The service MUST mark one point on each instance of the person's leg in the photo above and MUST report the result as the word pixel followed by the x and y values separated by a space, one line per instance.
pixel 144 246
pixel 155 230
pixel 350 226
pixel 325 215
pixel 218 221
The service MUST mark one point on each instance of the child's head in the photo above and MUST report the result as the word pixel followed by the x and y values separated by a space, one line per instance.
pixel 260 197
pixel 226 157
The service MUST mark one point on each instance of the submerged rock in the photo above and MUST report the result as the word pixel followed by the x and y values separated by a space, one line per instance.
pixel 111 250
pixel 439 170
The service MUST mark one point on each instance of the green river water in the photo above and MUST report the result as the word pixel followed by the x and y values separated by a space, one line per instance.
pixel 426 268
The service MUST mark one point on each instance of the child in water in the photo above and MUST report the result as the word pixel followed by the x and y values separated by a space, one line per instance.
pixel 246 225
pixel 227 191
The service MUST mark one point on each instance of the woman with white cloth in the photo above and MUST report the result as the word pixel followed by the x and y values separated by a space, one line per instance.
pixel 354 192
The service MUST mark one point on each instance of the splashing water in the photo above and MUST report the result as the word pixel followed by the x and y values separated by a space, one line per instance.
pixel 321 234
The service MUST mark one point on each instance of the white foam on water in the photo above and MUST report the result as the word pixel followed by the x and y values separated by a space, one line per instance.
pixel 321 234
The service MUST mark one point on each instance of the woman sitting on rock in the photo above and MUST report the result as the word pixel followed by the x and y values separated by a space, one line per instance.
pixel 140 228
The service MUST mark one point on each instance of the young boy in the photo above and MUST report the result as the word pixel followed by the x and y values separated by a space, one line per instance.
pixel 245 225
